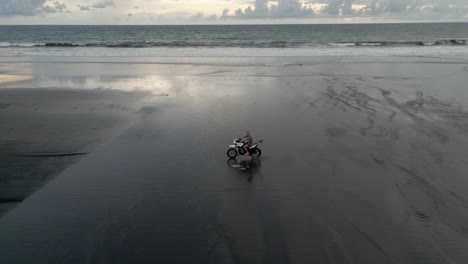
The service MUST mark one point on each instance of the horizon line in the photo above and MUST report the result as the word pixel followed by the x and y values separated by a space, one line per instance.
pixel 250 24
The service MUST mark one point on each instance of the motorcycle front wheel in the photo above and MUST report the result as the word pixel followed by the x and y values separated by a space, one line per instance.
pixel 257 152
pixel 232 153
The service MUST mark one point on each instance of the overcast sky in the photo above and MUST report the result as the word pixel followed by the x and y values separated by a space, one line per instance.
pixel 228 11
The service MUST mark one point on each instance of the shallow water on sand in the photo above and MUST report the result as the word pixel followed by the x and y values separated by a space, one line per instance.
pixel 362 163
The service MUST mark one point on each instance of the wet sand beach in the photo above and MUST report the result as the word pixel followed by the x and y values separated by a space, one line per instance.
pixel 45 130
pixel 123 160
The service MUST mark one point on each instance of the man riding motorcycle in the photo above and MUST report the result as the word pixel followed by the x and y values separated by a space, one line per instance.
pixel 244 146
pixel 248 142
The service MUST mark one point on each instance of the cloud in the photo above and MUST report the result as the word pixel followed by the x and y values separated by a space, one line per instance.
pixel 60 7
pixel 403 8
pixel 20 7
pixel 30 7
pixel 84 8
pixel 273 9
pixel 187 11
pixel 396 9
pixel 104 4
pixel 98 5
pixel 337 7
pixel 198 16
pixel 291 8
pixel 56 7
pixel 225 12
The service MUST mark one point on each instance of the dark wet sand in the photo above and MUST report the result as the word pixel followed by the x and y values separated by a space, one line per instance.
pixel 364 162
pixel 45 130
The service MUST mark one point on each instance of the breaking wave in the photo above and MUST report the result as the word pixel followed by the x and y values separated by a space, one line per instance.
pixel 445 42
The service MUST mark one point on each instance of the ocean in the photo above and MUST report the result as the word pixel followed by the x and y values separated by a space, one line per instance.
pixel 235 40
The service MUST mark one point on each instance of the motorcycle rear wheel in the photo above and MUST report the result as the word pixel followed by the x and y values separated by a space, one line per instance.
pixel 256 152
pixel 232 153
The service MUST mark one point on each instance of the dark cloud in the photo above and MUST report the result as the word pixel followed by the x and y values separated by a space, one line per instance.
pixel 274 9
pixel 212 18
pixel 60 7
pixel 98 5
pixel 20 7
pixel 56 7
pixel 104 4
pixel 84 8
pixel 198 16
pixel 337 7
pixel 225 12
pixel 408 8
pixel 47 9
pixel 30 7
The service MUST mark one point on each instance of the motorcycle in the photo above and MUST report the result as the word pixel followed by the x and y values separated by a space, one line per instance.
pixel 238 149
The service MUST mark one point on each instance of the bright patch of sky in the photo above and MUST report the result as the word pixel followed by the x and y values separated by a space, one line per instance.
pixel 228 11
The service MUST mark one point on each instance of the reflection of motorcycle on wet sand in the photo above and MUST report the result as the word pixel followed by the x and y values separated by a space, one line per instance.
pixel 249 167
pixel 238 149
